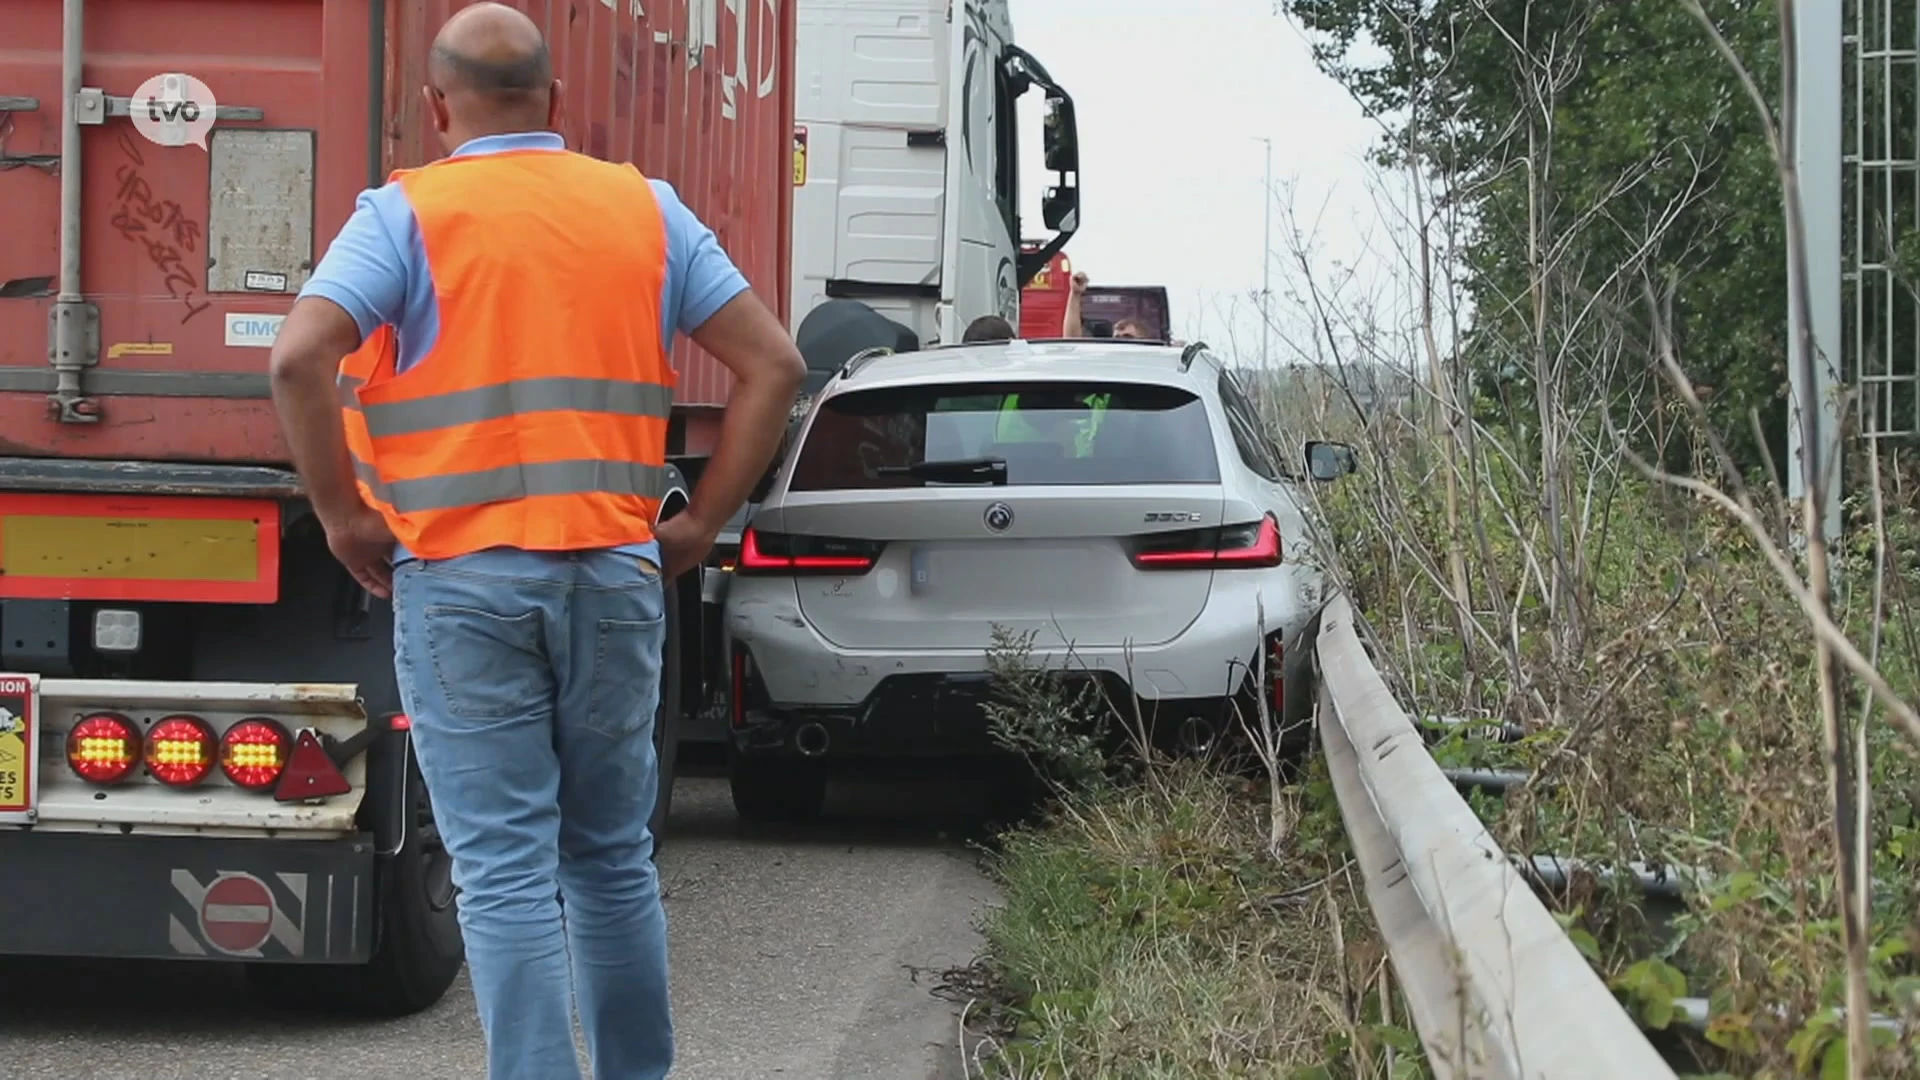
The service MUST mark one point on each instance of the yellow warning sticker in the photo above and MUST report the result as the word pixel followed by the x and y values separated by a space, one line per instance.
pixel 799 157
pixel 17 729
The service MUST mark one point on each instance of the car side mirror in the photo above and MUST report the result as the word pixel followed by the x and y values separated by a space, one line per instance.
pixel 1328 461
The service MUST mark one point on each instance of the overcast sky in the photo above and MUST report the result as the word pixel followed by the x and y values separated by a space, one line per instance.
pixel 1171 97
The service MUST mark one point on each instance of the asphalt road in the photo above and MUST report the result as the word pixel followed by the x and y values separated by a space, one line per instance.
pixel 798 955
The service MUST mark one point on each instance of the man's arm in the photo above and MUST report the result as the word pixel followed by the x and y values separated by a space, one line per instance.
pixel 723 316
pixel 359 285
pixel 767 368
pixel 306 357
pixel 1071 326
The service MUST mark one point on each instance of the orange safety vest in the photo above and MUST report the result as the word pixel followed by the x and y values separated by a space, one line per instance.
pixel 538 419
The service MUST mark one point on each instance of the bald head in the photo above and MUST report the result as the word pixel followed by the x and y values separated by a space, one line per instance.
pixel 491 66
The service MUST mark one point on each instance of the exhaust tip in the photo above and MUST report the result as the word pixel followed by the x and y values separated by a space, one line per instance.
pixel 811 740
pixel 1197 735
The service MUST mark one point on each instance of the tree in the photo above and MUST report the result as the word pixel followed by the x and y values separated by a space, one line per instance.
pixel 1598 147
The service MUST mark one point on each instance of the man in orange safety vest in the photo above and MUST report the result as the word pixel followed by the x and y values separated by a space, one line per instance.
pixel 475 387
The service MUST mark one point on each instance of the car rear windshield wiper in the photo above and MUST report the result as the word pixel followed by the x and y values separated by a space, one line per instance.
pixel 979 470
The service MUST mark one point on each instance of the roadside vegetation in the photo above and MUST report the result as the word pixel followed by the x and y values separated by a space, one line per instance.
pixel 1571 522
pixel 1172 920
pixel 1572 514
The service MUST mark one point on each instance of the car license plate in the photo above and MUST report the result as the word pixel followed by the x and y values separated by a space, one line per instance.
pixel 19 747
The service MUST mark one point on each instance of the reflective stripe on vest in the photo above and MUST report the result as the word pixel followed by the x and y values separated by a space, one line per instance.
pixel 538 417
pixel 540 394
pixel 516 482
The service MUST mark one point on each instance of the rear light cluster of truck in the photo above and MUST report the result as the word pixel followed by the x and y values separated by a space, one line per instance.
pixel 181 751
pixel 781 553
pixel 1249 546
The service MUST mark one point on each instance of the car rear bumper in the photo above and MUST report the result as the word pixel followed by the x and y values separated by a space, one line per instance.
pixel 186 897
pixel 907 716
pixel 800 669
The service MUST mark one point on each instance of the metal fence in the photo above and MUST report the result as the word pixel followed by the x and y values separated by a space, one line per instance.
pixel 1495 988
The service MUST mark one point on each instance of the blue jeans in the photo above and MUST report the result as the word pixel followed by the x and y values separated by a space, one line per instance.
pixel 531 679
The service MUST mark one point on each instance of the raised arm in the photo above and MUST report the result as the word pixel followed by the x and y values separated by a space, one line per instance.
pixel 1071 326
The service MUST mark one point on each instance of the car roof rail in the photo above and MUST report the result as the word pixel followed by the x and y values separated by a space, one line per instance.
pixel 1192 351
pixel 861 359
pixel 972 344
pixel 1156 342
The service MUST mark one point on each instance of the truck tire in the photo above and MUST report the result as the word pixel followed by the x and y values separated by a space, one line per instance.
pixel 417 950
pixel 666 720
pixel 776 790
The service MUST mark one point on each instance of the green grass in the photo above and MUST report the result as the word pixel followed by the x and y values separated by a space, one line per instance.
pixel 1147 934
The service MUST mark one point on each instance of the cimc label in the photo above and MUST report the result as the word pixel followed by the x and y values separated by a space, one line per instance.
pixel 246 331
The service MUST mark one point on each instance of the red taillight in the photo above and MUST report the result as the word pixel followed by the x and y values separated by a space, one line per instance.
pixel 181 751
pixel 1231 547
pixel 777 553
pixel 253 753
pixel 103 748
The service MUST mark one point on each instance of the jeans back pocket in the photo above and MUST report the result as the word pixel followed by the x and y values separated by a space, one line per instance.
pixel 626 675
pixel 489 666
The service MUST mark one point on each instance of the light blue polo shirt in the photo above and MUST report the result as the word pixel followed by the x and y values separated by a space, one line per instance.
pixel 376 269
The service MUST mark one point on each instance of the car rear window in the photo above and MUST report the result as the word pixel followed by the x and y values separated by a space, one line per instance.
pixel 1047 433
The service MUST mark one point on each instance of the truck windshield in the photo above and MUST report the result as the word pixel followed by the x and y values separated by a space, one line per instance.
pixel 1044 433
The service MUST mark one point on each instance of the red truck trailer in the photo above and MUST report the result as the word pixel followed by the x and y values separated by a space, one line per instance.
pixel 201 749
pixel 1043 303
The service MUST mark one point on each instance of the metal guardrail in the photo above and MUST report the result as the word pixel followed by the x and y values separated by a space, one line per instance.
pixel 1495 988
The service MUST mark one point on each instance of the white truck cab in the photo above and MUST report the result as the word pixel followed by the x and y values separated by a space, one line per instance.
pixel 907 166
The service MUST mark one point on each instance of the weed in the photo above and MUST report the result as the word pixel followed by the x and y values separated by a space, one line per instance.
pixel 1151 928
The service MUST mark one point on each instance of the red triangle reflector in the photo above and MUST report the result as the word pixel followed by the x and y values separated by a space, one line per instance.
pixel 310 772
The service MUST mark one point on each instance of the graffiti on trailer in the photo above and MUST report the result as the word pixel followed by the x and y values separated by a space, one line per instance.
pixel 159 226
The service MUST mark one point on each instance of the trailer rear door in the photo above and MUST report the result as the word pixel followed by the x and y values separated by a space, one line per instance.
pixel 188 257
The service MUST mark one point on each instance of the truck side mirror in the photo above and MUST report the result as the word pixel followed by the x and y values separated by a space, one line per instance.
pixel 1061 137
pixel 1060 209
pixel 1328 461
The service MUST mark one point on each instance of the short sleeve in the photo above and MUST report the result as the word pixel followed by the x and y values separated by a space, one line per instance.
pixel 363 270
pixel 707 276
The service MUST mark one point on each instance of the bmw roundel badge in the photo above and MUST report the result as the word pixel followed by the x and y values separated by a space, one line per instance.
pixel 999 516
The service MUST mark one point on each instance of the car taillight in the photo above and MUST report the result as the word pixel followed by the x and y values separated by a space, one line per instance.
pixel 1255 544
pixel 253 753
pixel 181 751
pixel 103 748
pixel 780 553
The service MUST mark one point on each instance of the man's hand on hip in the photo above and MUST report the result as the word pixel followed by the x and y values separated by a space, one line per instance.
pixel 684 543
pixel 364 545
pixel 748 339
